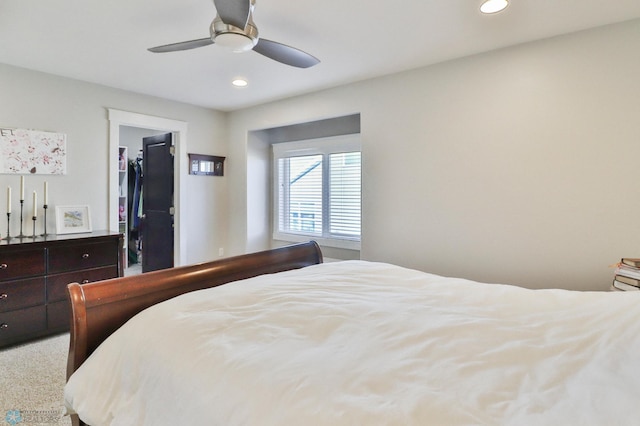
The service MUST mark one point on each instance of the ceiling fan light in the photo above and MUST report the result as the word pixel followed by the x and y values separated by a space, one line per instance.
pixel 235 42
pixel 493 6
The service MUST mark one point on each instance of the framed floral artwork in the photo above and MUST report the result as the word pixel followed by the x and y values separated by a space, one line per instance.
pixel 25 151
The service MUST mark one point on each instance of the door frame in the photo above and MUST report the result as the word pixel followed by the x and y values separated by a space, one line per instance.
pixel 119 118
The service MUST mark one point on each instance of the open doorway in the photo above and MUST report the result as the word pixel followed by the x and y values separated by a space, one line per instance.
pixel 132 218
pixel 122 122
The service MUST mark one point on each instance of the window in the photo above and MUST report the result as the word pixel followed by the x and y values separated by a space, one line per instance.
pixel 317 191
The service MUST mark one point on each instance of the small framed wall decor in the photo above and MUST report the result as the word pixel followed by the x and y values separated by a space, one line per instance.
pixel 207 165
pixel 73 219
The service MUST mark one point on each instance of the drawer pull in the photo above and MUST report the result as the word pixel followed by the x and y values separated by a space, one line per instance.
pixel 3 296
pixel 85 281
pixel 3 266
pixel 3 326
pixel 85 256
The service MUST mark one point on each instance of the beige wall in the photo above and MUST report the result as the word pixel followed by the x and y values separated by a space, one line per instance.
pixel 41 101
pixel 515 166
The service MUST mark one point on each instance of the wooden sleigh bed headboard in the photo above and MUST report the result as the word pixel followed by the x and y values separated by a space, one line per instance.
pixel 100 308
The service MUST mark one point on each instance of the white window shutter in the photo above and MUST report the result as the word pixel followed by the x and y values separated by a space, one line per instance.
pixel 317 190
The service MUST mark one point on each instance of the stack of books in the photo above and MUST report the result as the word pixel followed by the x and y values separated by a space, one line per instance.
pixel 627 276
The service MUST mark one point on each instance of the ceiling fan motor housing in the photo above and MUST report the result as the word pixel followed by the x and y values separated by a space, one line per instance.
pixel 234 38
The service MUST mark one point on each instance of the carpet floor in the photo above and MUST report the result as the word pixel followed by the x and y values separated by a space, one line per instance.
pixel 31 382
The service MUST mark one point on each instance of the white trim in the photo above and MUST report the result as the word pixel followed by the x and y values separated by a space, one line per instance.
pixel 119 118
pixel 328 145
pixel 342 243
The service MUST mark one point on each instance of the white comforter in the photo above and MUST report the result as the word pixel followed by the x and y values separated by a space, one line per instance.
pixel 358 343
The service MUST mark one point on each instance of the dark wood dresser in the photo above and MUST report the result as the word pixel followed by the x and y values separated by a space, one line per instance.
pixel 34 273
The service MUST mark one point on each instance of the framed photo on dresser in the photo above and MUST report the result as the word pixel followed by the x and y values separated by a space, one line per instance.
pixel 73 219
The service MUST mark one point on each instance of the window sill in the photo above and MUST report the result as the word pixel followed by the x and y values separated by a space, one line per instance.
pixel 327 242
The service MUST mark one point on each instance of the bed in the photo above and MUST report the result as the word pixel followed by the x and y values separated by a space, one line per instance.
pixel 290 340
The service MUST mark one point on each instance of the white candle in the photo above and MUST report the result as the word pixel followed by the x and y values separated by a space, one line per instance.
pixel 35 204
pixel 46 193
pixel 8 199
pixel 21 188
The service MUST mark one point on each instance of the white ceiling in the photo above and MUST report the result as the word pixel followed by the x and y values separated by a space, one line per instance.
pixel 105 42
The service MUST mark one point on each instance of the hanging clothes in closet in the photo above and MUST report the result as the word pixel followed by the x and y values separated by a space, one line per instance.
pixel 135 207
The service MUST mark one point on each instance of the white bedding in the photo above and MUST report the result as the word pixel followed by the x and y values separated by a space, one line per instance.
pixel 359 343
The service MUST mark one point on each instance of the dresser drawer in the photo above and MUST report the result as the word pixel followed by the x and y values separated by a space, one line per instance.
pixel 58 316
pixel 25 322
pixel 57 284
pixel 82 256
pixel 21 293
pixel 20 264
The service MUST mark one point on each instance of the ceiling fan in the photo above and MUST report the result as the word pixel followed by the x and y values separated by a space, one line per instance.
pixel 233 27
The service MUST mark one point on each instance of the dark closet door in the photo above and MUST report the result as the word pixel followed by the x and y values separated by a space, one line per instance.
pixel 157 203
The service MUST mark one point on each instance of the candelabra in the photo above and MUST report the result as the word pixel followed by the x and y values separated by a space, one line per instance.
pixel 34 226
pixel 8 237
pixel 45 207
pixel 21 208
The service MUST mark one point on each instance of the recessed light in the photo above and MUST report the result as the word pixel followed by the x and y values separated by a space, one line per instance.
pixel 493 6
pixel 239 82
